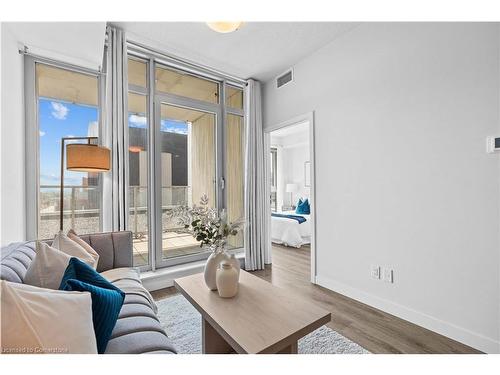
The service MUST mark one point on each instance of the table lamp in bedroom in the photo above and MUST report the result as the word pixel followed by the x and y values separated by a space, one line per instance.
pixel 291 188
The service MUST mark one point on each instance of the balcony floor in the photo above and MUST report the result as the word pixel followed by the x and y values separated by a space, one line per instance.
pixel 174 244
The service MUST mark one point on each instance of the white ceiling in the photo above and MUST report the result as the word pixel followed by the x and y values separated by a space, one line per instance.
pixel 80 43
pixel 259 50
pixel 291 136
pixel 301 128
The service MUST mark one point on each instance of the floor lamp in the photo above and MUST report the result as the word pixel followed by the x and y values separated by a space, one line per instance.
pixel 82 157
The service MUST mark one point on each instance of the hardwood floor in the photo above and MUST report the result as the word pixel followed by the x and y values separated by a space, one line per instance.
pixel 375 330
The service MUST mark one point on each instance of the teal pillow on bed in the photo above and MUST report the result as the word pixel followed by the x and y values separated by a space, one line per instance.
pixel 303 207
pixel 107 299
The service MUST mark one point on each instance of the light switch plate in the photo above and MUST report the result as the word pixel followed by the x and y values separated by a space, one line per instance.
pixel 388 275
pixel 375 271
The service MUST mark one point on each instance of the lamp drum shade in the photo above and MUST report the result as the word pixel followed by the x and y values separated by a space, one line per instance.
pixel 87 158
pixel 291 188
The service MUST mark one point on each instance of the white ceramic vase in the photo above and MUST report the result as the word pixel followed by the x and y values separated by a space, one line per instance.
pixel 211 266
pixel 227 280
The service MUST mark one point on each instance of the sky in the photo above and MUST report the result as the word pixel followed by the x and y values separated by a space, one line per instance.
pixel 167 125
pixel 59 119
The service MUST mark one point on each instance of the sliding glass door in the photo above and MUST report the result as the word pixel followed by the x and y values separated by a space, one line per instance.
pixel 191 145
pixel 186 151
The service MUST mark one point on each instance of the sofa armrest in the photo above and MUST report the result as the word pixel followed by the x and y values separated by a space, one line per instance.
pixel 114 249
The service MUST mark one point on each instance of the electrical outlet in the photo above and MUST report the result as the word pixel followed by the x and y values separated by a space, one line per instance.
pixel 375 271
pixel 388 275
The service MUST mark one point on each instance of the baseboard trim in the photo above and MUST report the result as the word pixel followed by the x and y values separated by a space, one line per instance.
pixel 465 336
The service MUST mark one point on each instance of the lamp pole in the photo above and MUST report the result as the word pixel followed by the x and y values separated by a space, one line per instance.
pixel 61 194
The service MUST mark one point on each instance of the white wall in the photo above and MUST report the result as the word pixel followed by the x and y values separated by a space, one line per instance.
pixel 401 114
pixel 12 141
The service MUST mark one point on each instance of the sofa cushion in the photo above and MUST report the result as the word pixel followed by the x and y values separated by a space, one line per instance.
pixel 128 279
pixel 140 342
pixel 15 260
pixel 135 309
pixel 138 329
pixel 122 273
pixel 134 324
pixel 114 249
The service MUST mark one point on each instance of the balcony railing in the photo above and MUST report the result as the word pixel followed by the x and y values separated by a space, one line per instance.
pixel 82 208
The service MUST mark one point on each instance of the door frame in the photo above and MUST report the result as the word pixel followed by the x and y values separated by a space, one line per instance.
pixel 306 117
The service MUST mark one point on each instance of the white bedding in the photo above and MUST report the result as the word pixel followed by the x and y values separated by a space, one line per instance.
pixel 289 232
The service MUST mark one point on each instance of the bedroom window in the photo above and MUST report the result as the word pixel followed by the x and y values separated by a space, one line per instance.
pixel 61 101
pixel 191 144
pixel 274 179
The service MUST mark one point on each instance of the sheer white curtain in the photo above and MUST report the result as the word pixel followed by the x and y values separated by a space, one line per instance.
pixel 257 231
pixel 115 132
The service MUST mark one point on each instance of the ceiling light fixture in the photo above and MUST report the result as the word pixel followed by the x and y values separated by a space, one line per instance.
pixel 224 27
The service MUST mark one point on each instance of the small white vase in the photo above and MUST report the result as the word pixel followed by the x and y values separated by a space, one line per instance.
pixel 211 266
pixel 227 280
pixel 235 263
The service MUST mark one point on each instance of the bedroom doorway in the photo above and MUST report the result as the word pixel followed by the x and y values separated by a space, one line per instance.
pixel 290 184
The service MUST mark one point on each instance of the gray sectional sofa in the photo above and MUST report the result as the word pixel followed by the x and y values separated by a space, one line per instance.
pixel 138 329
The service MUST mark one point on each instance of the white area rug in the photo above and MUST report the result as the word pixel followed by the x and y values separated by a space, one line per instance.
pixel 182 323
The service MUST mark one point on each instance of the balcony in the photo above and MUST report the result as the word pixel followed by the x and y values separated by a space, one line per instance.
pixel 82 213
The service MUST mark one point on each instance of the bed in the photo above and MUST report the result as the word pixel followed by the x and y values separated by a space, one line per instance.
pixel 289 232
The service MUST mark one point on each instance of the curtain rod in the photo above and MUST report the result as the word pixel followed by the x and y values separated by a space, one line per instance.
pixel 58 63
pixel 184 62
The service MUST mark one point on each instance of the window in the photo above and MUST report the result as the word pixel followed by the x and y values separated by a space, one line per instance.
pixel 234 97
pixel 274 178
pixel 137 73
pixel 184 84
pixel 66 104
pixel 139 160
pixel 195 147
pixel 138 176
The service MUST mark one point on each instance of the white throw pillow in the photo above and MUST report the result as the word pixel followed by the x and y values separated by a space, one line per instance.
pixel 47 269
pixel 73 236
pixel 36 320
pixel 67 245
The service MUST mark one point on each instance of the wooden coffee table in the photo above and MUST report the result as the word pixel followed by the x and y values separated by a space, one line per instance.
pixel 261 318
